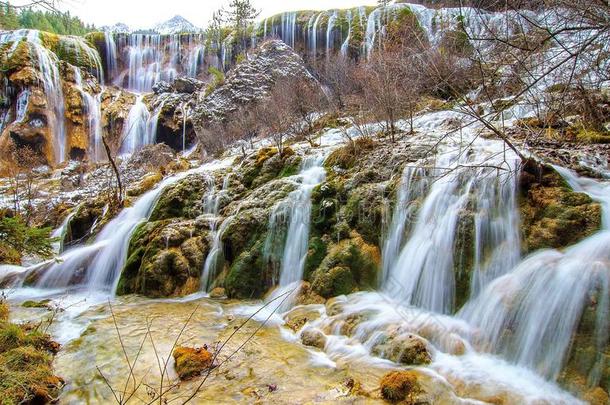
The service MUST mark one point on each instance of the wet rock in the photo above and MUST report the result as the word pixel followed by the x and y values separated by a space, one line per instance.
pixel 597 396
pixel 407 349
pixel 552 214
pixel 349 265
pixel 218 293
pixel 299 316
pixel 400 386
pixel 164 260
pixel 313 337
pixel 191 362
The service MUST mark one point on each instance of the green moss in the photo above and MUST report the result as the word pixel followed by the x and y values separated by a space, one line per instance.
pixel 353 256
pixel 552 214
pixel 318 248
pixel 180 200
pixel 36 304
pixel 592 136
pixel 159 265
pixel 247 276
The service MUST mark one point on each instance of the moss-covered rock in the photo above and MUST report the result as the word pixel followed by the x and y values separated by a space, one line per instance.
pixel 165 258
pixel 400 386
pixel 248 276
pixel 181 200
pixel 349 265
pixel 552 214
pixel 191 362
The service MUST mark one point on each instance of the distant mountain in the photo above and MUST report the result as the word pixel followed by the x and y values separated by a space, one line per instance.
pixel 116 28
pixel 175 25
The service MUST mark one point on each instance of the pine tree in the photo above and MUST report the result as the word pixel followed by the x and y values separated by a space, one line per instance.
pixel 240 15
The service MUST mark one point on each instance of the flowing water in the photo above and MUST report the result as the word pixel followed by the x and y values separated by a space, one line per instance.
pixel 140 128
pixel 211 204
pixel 289 227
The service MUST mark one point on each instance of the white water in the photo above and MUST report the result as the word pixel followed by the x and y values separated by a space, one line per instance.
pixel 296 209
pixel 543 298
pixel 432 198
pixel 97 266
pixel 140 127
pixel 51 80
pixel 211 207
pixel 93 110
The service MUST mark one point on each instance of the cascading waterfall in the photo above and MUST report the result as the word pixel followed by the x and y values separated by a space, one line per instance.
pixel 51 81
pixel 111 54
pixel 345 44
pixel 296 208
pixel 211 205
pixel 314 34
pixel 140 127
pixel 97 266
pixel 93 110
pixel 21 106
pixel 543 299
pixel 415 272
pixel 330 32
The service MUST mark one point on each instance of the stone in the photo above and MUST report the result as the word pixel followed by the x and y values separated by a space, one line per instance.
pixel 313 337
pixel 398 386
pixel 191 362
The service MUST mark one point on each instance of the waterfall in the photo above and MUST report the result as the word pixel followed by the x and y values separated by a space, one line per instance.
pixel 111 54
pixel 297 209
pixel 21 106
pixel 329 32
pixel 289 21
pixel 345 44
pixel 93 109
pixel 543 299
pixel 185 112
pixel 97 266
pixel 314 34
pixel 432 203
pixel 140 128
pixel 51 81
pixel 211 207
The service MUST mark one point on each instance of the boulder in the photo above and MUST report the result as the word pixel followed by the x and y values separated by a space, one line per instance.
pixel 313 337
pixel 191 362
pixel 400 386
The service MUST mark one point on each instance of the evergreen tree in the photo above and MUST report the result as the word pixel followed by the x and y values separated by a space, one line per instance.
pixel 240 15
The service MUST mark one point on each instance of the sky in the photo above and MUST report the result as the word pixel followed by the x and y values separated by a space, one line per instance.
pixel 147 13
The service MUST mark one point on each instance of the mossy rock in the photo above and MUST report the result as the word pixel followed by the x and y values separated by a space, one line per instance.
pixel 164 259
pixel 363 211
pixel 81 224
pixel 552 214
pixel 400 386
pixel 349 265
pixel 267 164
pixel 191 362
pixel 248 276
pixel 181 200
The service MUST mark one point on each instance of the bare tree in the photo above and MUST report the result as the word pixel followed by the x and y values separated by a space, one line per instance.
pixel 19 168
pixel 276 115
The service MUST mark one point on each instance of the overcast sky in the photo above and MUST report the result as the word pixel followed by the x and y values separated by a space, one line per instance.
pixel 147 13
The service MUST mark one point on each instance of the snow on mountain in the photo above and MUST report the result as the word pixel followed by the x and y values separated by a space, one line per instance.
pixel 117 28
pixel 175 25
